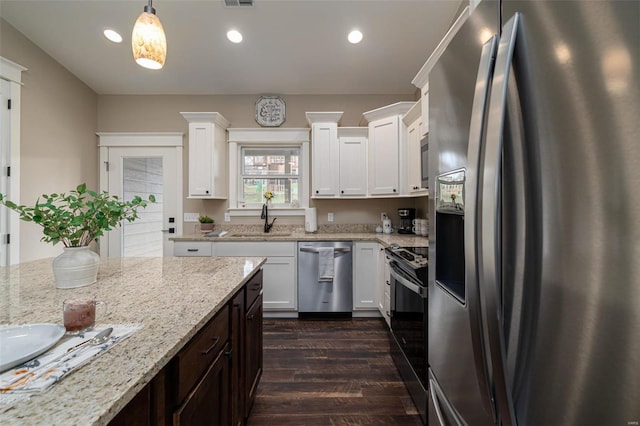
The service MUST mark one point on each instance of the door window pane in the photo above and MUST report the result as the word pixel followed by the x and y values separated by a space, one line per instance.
pixel 143 177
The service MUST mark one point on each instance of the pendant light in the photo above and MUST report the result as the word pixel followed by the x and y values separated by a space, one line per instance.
pixel 148 41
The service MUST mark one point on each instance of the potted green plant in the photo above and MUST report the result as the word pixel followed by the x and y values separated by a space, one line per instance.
pixel 75 219
pixel 206 223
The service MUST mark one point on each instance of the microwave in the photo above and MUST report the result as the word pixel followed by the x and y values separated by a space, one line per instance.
pixel 424 161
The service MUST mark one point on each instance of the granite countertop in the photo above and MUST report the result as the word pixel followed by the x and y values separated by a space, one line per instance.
pixel 407 240
pixel 172 298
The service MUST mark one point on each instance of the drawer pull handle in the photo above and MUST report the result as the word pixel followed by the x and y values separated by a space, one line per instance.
pixel 193 249
pixel 228 353
pixel 215 342
pixel 250 317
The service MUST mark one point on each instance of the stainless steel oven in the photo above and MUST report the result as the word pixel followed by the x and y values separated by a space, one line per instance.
pixel 408 271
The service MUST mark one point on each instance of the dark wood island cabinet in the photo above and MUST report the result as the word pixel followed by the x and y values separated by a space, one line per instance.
pixel 214 377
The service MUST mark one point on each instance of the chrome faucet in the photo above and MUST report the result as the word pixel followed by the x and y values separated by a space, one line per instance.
pixel 265 216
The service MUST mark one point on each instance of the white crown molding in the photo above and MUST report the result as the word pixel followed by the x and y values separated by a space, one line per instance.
pixel 399 108
pixel 413 114
pixel 422 78
pixel 324 117
pixel 206 117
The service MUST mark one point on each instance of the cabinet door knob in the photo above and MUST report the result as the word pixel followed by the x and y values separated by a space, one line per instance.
pixel 317 191
pixel 342 192
pixel 394 190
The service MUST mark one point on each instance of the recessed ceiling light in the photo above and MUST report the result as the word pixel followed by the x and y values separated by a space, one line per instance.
pixel 112 35
pixel 354 37
pixel 234 36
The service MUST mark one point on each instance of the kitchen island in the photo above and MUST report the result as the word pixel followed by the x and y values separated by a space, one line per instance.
pixel 171 298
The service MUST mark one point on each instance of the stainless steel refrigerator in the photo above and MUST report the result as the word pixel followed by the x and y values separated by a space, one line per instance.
pixel 534 251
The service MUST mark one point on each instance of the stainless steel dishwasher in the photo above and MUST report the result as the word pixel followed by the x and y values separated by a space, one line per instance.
pixel 331 295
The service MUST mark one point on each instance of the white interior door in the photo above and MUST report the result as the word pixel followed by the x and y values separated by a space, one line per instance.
pixel 145 171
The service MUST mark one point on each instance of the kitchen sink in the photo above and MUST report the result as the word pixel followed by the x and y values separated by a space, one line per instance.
pixel 260 234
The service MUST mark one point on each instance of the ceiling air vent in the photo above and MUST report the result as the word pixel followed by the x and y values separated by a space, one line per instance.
pixel 234 3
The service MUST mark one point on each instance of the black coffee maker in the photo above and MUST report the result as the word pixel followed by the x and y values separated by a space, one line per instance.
pixel 406 220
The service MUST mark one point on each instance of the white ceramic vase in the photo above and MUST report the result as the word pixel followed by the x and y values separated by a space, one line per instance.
pixel 76 267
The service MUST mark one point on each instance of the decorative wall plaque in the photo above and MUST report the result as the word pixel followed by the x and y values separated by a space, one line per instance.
pixel 270 111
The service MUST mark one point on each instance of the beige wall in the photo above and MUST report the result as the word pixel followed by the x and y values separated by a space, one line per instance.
pixel 58 124
pixel 162 114
pixel 60 116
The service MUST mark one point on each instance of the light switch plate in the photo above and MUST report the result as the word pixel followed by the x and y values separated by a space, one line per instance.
pixel 227 217
pixel 191 217
pixel 330 217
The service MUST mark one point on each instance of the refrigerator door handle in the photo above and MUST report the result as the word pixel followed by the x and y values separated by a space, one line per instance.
pixel 491 235
pixel 472 235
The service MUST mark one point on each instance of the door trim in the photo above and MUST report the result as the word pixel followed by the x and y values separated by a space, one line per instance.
pixel 140 140
pixel 12 73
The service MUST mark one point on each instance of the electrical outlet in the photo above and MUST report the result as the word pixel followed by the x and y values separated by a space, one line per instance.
pixel 191 217
pixel 330 217
pixel 383 216
pixel 227 217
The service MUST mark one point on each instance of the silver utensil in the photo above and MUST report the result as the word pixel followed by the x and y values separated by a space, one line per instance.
pixel 95 340
pixel 98 339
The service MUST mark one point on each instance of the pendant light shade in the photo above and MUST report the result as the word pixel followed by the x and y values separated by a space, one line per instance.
pixel 148 41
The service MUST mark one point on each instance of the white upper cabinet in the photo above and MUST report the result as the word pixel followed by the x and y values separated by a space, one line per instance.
pixel 339 163
pixel 386 130
pixel 353 161
pixel 207 154
pixel 421 80
pixel 414 123
pixel 325 152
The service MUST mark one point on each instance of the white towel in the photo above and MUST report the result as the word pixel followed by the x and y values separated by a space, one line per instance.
pixel 325 264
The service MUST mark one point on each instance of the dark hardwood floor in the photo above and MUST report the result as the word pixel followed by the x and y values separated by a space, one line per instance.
pixel 330 372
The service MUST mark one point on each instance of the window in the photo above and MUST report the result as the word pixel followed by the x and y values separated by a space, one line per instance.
pixel 273 169
pixel 262 160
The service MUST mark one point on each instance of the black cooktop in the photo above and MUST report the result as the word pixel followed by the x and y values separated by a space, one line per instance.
pixel 420 251
pixel 413 260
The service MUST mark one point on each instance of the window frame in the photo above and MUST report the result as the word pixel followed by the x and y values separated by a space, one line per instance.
pixel 242 176
pixel 239 138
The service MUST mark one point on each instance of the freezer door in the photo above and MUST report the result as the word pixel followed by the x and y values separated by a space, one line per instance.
pixel 567 224
pixel 456 354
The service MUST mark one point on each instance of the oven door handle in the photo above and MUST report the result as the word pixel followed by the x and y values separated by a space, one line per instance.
pixel 421 291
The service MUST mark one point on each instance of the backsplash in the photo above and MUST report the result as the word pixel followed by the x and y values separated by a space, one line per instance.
pixel 294 229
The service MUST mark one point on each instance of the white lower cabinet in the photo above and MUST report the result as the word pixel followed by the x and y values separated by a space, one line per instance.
pixel 192 248
pixel 365 275
pixel 280 282
pixel 280 279
pixel 384 285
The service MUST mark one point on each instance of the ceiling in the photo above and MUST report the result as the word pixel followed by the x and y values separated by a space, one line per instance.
pixel 290 46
